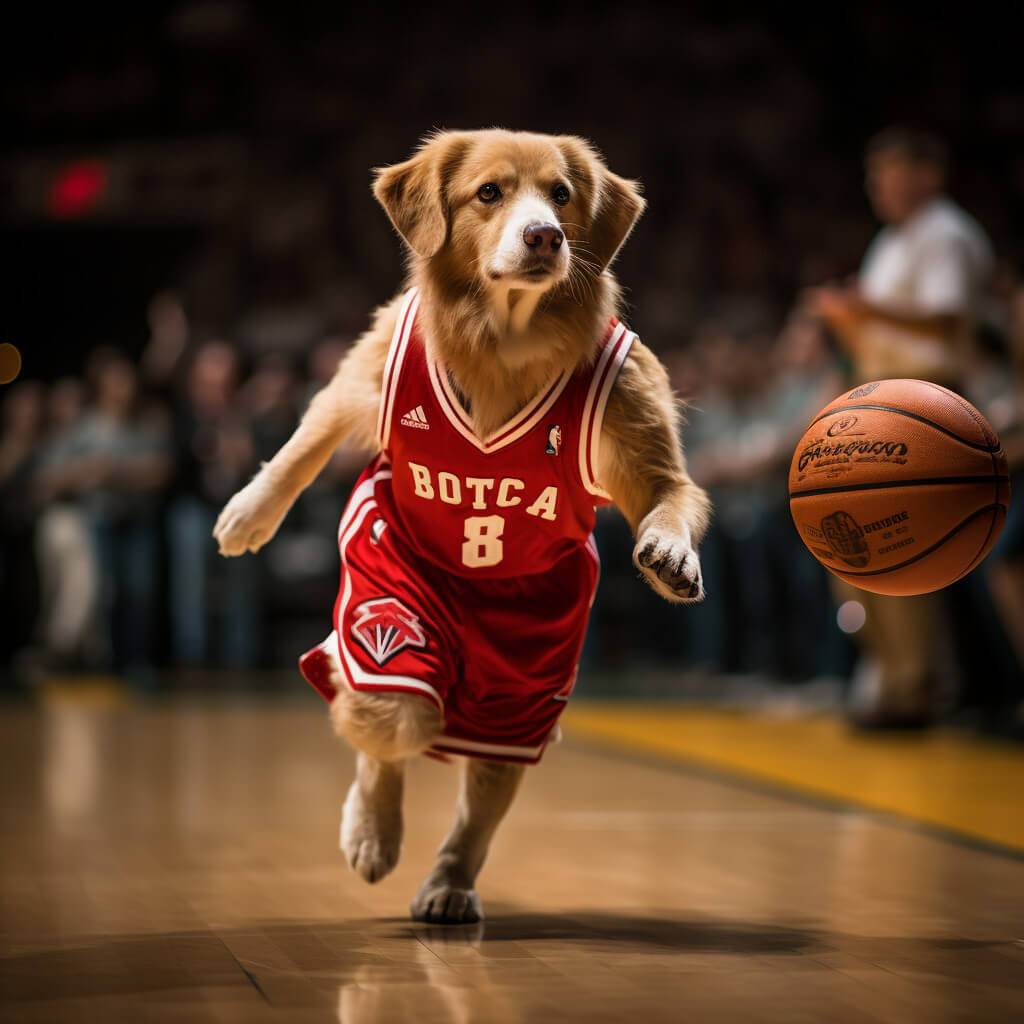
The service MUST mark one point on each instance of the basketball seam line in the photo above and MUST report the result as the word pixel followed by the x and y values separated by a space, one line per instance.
pixel 883 485
pixel 976 560
pixel 927 551
pixel 913 416
pixel 983 425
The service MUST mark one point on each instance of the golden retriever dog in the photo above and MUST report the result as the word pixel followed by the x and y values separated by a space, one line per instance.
pixel 542 406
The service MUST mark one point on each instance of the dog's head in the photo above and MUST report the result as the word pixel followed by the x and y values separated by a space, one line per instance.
pixel 507 209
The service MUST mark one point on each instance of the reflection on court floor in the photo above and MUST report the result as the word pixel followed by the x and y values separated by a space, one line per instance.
pixel 178 862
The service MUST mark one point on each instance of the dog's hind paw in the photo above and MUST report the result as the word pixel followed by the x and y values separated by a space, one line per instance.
pixel 372 860
pixel 371 837
pixel 439 903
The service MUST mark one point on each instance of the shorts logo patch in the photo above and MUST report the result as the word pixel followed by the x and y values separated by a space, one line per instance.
pixel 554 445
pixel 384 626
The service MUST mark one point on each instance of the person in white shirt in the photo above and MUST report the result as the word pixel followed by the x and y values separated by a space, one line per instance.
pixel 912 308
pixel 911 312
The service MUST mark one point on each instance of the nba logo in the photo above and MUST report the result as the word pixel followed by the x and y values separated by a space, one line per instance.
pixel 554 445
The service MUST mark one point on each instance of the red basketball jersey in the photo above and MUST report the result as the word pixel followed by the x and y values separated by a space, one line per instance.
pixel 510 504
pixel 467 563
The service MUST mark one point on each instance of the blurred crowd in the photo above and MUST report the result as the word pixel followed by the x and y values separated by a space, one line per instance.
pixel 109 488
pixel 770 610
pixel 240 139
pixel 110 484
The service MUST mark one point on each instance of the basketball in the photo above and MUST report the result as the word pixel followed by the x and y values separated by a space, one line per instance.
pixel 899 487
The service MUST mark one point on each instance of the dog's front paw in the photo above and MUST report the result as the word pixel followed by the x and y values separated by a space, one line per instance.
pixel 669 562
pixel 250 518
pixel 441 903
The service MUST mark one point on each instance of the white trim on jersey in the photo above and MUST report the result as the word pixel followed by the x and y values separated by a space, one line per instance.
pixel 591 548
pixel 524 421
pixel 607 369
pixel 393 365
pixel 360 505
pixel 454 744
pixel 360 494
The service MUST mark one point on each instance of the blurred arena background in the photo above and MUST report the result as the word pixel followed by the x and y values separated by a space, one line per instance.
pixel 192 243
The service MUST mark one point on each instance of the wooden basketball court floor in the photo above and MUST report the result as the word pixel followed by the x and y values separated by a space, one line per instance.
pixel 178 862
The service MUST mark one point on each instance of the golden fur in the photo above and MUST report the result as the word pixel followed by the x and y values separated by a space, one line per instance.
pixel 642 463
pixel 430 200
pixel 502 334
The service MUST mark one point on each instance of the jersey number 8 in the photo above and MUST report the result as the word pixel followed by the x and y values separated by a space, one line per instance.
pixel 483 545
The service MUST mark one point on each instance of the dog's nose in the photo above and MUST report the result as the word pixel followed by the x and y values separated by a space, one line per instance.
pixel 543 239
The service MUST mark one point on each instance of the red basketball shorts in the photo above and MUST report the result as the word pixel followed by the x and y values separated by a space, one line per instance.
pixel 498 657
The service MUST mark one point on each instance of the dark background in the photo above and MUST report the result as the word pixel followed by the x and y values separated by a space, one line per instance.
pixel 237 141
pixel 221 153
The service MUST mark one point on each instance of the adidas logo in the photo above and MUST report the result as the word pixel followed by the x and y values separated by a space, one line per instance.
pixel 416 418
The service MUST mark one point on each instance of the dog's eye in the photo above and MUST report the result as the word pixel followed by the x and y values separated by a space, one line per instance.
pixel 561 194
pixel 489 193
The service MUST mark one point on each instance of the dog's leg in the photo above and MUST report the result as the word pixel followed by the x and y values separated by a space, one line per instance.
pixel 447 896
pixel 346 408
pixel 371 820
pixel 641 465
pixel 385 730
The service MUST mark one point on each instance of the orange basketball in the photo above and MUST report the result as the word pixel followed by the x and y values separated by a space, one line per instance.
pixel 899 487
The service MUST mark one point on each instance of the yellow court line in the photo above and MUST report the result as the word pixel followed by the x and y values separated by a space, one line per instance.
pixel 94 691
pixel 969 785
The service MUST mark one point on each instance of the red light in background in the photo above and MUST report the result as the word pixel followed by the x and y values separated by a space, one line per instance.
pixel 77 189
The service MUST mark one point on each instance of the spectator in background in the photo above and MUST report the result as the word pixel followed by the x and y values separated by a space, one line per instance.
pixel 1003 402
pixel 914 306
pixel 770 613
pixel 807 377
pixel 323 363
pixel 911 313
pixel 214 457
pixel 121 449
pixel 69 576
pixel 167 345
pixel 731 444
pixel 20 433
pixel 270 398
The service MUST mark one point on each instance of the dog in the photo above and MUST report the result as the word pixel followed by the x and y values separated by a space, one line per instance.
pixel 503 400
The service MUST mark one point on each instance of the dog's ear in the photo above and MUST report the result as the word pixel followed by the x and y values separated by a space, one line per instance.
pixel 615 204
pixel 619 205
pixel 414 193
